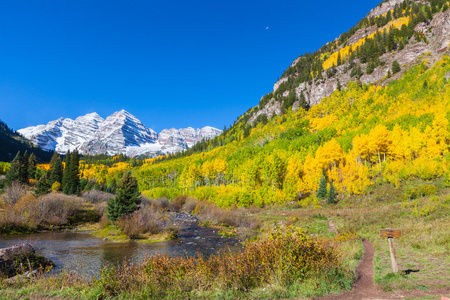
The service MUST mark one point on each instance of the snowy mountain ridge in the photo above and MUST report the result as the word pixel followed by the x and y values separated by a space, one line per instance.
pixel 119 133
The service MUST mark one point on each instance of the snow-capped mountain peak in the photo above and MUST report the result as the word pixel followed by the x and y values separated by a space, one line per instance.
pixel 120 132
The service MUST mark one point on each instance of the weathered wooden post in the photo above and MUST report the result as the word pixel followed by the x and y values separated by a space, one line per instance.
pixel 390 234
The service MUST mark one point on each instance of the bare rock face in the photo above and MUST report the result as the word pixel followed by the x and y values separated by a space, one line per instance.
pixel 278 83
pixel 16 259
pixel 440 30
pixel 437 32
pixel 384 8
pixel 421 27
pixel 270 109
pixel 296 61
pixel 360 34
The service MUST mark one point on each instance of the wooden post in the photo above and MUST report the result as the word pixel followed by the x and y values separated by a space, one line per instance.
pixel 390 234
pixel 393 256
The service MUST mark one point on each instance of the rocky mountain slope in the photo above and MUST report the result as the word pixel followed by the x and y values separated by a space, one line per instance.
pixel 120 133
pixel 402 32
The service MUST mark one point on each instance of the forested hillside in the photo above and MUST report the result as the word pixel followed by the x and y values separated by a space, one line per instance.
pixel 358 137
pixel 11 143
pixel 392 38
pixel 361 135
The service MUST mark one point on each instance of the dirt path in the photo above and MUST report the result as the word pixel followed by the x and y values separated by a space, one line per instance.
pixel 365 289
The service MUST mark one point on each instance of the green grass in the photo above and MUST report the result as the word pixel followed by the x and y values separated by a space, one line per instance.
pixel 425 241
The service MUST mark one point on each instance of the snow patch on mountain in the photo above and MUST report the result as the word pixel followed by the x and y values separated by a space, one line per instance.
pixel 120 133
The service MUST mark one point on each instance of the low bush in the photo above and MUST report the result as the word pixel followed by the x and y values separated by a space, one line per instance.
pixel 30 213
pixel 13 192
pixel 149 219
pixel 95 196
pixel 288 258
pixel 190 205
pixel 423 190
pixel 177 204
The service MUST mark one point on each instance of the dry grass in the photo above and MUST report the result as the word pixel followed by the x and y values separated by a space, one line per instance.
pixel 13 192
pixel 30 213
pixel 95 196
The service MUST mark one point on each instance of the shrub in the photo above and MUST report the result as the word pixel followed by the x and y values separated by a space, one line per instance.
pixel 13 192
pixel 149 219
pixel 177 203
pixel 423 190
pixel 163 203
pixel 190 205
pixel 95 196
pixel 288 257
pixel 55 209
pixel 56 187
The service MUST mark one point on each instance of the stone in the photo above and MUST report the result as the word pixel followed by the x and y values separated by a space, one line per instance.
pixel 12 258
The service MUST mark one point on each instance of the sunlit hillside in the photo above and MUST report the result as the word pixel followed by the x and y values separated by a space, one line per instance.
pixel 355 138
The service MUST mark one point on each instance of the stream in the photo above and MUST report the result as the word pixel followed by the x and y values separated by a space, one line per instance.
pixel 84 254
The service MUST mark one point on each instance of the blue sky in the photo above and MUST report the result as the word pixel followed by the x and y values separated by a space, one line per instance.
pixel 169 63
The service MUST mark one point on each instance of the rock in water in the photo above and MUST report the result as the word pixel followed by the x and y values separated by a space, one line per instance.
pixel 19 259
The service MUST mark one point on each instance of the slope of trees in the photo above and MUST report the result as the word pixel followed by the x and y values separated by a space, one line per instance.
pixel 355 137
pixel 11 142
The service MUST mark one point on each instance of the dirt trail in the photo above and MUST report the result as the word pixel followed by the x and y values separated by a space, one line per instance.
pixel 365 289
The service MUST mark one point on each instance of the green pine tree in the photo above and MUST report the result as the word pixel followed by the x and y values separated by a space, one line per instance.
pixel 23 171
pixel 43 186
pixel 331 199
pixel 322 191
pixel 56 170
pixel 74 181
pixel 32 166
pixel 395 67
pixel 66 175
pixel 113 186
pixel 14 171
pixel 126 200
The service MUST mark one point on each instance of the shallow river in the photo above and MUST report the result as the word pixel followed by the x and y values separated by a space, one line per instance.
pixel 86 254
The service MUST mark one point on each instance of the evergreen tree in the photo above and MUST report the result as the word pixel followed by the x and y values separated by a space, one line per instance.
pixel 83 183
pixel 322 191
pixel 113 186
pixel 126 200
pixel 43 186
pixel 74 181
pixel 66 174
pixel 32 166
pixel 14 171
pixel 331 199
pixel 395 67
pixel 23 171
pixel 56 170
